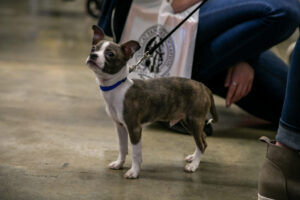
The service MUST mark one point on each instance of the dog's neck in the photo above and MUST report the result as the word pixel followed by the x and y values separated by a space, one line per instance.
pixel 112 79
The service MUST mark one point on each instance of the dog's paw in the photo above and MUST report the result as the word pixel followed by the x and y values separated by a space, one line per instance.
pixel 191 167
pixel 189 158
pixel 116 165
pixel 132 174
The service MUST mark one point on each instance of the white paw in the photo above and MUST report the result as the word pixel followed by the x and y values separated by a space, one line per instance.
pixel 189 158
pixel 190 167
pixel 132 174
pixel 116 164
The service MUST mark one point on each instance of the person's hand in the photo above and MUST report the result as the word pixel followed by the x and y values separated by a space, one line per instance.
pixel 181 5
pixel 239 81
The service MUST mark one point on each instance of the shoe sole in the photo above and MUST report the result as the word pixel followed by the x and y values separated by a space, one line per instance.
pixel 260 197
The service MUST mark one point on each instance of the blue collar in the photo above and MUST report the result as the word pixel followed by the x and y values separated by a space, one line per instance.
pixel 108 88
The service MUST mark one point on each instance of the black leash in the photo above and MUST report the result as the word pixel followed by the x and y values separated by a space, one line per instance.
pixel 147 54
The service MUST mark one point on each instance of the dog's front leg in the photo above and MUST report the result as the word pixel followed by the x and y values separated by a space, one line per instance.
pixel 136 161
pixel 135 139
pixel 123 145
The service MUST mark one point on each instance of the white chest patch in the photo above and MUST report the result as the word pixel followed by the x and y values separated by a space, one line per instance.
pixel 115 101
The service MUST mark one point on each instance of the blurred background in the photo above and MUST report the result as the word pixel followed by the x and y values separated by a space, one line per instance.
pixel 52 31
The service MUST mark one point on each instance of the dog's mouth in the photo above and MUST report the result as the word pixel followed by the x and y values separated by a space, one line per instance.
pixel 93 63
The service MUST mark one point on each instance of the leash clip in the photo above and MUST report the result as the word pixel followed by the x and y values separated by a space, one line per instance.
pixel 145 56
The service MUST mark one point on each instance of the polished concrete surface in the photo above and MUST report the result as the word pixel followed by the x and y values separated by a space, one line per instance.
pixel 56 140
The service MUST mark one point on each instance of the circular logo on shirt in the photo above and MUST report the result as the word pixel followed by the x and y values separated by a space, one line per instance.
pixel 161 61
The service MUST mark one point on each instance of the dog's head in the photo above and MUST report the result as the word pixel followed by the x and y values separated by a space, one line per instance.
pixel 108 58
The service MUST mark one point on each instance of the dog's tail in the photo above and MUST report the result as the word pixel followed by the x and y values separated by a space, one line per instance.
pixel 213 111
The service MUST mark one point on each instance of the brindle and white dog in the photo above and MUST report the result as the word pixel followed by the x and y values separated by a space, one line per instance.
pixel 131 103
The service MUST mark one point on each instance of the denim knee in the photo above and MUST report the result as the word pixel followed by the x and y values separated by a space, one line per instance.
pixel 284 16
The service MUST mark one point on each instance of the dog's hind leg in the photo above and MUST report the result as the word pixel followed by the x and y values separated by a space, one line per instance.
pixel 195 161
pixel 191 157
pixel 196 128
pixel 123 147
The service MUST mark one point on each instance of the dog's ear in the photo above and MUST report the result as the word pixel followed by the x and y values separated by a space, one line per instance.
pixel 129 48
pixel 98 34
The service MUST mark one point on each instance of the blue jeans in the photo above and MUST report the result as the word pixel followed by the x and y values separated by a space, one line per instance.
pixel 230 31
pixel 289 128
pixel 121 8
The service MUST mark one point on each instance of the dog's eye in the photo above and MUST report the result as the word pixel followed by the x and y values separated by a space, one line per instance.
pixel 110 54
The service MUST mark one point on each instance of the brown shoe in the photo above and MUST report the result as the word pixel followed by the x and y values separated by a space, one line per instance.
pixel 279 176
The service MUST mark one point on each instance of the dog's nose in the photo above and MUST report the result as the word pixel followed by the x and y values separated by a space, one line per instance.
pixel 93 56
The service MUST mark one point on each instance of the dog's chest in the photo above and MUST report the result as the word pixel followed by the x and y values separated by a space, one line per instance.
pixel 115 102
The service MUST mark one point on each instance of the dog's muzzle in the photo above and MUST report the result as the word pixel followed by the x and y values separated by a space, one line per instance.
pixel 92 60
pixel 93 57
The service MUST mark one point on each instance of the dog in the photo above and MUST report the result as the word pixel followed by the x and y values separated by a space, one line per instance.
pixel 132 103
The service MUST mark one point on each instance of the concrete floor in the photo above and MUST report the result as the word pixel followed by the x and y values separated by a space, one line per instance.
pixel 56 139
